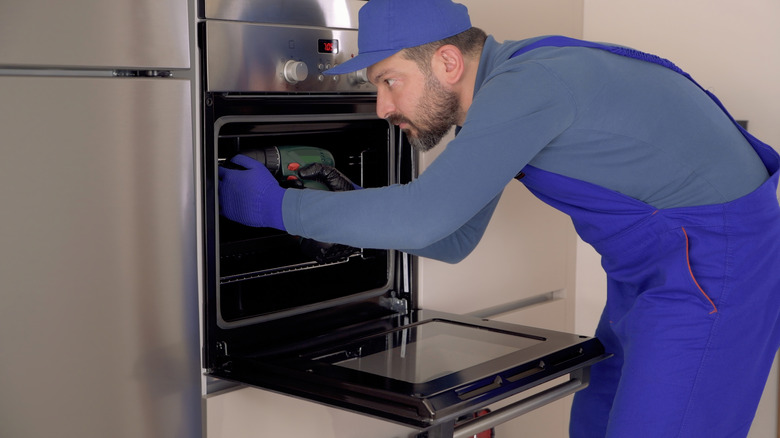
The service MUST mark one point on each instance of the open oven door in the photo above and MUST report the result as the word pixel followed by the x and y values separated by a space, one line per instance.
pixel 425 369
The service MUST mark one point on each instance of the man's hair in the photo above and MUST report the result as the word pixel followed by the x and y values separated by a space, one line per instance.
pixel 470 42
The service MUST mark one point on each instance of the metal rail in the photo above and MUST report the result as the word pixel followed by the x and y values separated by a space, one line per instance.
pixel 518 408
pixel 578 380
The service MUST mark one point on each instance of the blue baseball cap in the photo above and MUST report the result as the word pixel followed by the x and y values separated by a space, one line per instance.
pixel 388 26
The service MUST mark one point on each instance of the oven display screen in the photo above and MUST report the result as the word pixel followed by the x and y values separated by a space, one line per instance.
pixel 328 46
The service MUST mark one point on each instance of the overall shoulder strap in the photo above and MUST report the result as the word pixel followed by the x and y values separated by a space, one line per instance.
pixel 562 41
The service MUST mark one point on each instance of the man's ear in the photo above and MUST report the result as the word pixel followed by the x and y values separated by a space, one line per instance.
pixel 448 64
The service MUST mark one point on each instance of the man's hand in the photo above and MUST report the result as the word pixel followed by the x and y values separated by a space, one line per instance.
pixel 252 196
pixel 334 180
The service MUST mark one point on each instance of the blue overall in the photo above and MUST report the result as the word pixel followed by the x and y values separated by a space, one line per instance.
pixel 693 301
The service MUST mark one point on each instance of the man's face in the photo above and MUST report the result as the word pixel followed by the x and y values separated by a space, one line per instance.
pixel 417 103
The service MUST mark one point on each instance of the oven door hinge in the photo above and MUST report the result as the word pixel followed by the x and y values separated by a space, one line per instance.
pixel 222 348
pixel 397 305
pixel 220 360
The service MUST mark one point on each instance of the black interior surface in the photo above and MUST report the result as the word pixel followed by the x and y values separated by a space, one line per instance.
pixel 263 271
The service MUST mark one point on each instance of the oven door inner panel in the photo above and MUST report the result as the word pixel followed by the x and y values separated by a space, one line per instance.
pixel 422 368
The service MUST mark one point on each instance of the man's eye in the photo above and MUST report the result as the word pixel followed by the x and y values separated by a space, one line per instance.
pixel 389 82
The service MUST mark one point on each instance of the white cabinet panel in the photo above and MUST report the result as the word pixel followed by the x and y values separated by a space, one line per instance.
pixel 253 413
pixel 549 315
pixel 524 253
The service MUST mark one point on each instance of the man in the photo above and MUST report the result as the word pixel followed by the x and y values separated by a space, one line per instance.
pixel 680 203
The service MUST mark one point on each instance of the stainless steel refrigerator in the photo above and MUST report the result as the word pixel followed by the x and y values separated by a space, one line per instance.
pixel 98 302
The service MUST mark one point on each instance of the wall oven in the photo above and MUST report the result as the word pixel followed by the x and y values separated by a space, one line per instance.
pixel 330 323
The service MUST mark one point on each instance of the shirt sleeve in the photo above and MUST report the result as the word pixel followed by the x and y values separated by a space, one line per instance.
pixel 513 115
pixel 459 244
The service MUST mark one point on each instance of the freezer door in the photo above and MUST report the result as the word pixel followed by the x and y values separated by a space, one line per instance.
pixel 95 34
pixel 98 322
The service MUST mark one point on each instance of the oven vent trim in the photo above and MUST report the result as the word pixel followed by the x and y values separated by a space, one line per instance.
pixel 338 14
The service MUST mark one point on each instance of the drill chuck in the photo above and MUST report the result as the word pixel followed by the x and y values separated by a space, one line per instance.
pixel 270 157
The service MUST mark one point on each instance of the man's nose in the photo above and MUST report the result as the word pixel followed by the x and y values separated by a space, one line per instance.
pixel 384 104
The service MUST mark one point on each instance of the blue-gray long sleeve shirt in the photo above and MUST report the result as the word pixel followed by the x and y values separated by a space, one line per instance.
pixel 624 124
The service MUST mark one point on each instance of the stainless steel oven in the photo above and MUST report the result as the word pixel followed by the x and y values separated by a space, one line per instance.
pixel 339 325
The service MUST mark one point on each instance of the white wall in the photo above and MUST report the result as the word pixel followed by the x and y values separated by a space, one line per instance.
pixel 731 48
pixel 518 19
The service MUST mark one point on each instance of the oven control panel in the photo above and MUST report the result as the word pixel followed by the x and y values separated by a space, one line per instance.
pixel 249 57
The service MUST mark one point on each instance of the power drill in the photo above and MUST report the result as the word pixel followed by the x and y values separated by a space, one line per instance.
pixel 284 161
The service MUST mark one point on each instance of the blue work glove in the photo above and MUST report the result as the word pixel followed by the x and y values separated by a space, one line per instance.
pixel 334 180
pixel 252 196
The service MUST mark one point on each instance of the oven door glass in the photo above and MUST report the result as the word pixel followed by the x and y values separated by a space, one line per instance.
pixel 424 352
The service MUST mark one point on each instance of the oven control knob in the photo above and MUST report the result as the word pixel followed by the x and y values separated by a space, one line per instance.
pixel 295 71
pixel 359 77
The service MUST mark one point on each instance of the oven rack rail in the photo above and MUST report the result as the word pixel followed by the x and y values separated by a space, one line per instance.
pixel 281 270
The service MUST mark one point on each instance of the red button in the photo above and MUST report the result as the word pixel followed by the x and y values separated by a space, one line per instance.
pixel 292 178
pixel 293 166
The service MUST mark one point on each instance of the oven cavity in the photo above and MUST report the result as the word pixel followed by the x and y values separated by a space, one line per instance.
pixel 267 274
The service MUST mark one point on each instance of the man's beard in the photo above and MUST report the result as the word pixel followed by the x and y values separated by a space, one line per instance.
pixel 438 112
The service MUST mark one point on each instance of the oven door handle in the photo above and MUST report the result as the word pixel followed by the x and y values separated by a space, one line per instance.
pixel 520 407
